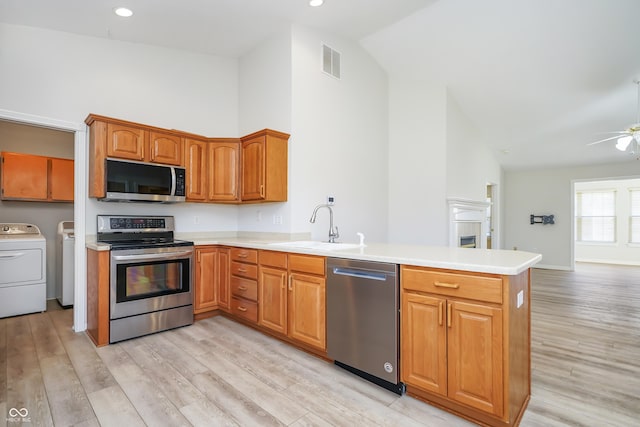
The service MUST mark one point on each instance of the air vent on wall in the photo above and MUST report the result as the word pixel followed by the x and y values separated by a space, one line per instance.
pixel 330 61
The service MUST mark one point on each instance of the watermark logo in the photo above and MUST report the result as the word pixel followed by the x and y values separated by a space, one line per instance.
pixel 19 415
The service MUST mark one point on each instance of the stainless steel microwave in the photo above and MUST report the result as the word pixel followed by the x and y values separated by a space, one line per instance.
pixel 129 181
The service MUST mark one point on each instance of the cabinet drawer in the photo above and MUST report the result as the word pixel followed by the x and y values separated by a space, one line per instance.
pixel 244 288
pixel 244 255
pixel 250 271
pixel 480 288
pixel 273 259
pixel 307 264
pixel 245 309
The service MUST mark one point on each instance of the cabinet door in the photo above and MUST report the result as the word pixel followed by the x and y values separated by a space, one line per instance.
pixel 224 276
pixel 424 342
pixel 165 148
pixel 475 356
pixel 224 159
pixel 272 297
pixel 206 283
pixel 307 310
pixel 196 170
pixel 24 176
pixel 253 169
pixel 61 180
pixel 125 142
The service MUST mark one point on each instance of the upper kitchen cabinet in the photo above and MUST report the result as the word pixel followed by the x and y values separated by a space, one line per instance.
pixel 130 141
pixel 213 170
pixel 264 167
pixel 165 148
pixel 36 178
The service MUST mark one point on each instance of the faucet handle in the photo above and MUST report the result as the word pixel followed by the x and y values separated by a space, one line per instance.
pixel 337 232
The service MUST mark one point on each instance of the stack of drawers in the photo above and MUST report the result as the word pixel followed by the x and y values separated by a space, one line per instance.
pixel 244 283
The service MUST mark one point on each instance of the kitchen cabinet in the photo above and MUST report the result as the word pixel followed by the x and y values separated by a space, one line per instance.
pixel 292 297
pixel 36 178
pixel 212 170
pixel 223 170
pixel 121 139
pixel 211 283
pixel 244 284
pixel 98 296
pixel 264 167
pixel 464 342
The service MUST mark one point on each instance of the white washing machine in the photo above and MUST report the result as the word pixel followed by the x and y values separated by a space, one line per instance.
pixel 65 246
pixel 23 263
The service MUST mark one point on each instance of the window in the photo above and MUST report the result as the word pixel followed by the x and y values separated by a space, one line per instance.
pixel 596 216
pixel 634 218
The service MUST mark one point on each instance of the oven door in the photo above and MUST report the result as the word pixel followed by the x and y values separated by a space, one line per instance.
pixel 152 279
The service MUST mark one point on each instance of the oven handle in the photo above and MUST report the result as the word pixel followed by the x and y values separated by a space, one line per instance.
pixel 162 256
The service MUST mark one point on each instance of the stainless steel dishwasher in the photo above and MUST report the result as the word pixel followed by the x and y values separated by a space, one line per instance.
pixel 363 319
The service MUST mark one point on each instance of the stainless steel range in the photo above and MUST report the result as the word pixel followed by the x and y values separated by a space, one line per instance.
pixel 151 275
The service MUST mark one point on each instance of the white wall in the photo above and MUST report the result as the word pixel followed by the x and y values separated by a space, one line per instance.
pixel 265 102
pixel 544 192
pixel 341 139
pixel 621 251
pixel 418 212
pixel 470 164
pixel 65 76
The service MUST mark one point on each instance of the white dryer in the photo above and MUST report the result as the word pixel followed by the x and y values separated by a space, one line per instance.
pixel 65 247
pixel 23 269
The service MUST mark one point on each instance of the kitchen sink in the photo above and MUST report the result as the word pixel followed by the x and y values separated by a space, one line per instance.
pixel 312 244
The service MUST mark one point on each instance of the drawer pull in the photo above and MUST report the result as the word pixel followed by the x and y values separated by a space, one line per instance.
pixel 243 309
pixel 243 255
pixel 242 288
pixel 446 285
pixel 242 270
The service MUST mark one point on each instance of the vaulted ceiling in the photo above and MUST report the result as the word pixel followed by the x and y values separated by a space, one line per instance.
pixel 538 79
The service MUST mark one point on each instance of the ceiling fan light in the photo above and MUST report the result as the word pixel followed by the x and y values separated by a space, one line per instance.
pixel 623 142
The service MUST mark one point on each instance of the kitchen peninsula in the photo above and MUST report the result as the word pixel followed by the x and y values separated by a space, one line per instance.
pixel 465 313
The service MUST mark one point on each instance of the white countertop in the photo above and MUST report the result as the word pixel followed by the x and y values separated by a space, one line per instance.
pixel 494 261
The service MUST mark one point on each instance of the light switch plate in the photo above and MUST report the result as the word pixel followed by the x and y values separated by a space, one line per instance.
pixel 520 299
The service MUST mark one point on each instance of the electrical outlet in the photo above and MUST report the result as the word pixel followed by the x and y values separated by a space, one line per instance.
pixel 196 220
pixel 258 216
pixel 277 219
pixel 331 200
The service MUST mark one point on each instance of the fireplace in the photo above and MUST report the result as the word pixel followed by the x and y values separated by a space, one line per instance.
pixel 467 224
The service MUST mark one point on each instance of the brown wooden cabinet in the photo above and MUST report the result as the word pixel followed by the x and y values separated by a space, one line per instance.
pixel 465 341
pixel 264 167
pixel 125 142
pixel 36 178
pixel 211 284
pixel 244 284
pixel 292 296
pixel 223 170
pixel 213 170
pixel 165 148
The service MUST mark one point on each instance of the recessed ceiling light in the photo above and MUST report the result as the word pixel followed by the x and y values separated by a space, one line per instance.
pixel 123 11
pixel 316 3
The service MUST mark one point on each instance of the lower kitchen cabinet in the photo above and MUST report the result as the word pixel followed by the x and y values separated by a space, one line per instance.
pixel 465 341
pixel 244 284
pixel 291 289
pixel 211 284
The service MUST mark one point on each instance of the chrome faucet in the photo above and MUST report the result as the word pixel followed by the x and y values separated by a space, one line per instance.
pixel 333 235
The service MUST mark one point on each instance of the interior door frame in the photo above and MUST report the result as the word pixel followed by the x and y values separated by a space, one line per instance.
pixel 79 203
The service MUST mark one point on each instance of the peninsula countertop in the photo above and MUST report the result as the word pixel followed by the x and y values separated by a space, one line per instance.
pixel 495 261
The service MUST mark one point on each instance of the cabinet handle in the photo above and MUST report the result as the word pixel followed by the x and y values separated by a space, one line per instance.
pixel 440 313
pixel 241 308
pixel 261 190
pixel 290 282
pixel 449 315
pixel 242 288
pixel 446 285
pixel 242 270
pixel 242 255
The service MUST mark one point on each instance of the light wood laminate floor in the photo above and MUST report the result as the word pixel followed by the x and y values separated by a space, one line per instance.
pixel 586 370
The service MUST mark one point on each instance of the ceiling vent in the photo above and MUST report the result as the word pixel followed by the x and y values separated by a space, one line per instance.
pixel 330 61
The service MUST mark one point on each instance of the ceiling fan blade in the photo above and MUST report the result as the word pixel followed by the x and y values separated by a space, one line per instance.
pixel 606 139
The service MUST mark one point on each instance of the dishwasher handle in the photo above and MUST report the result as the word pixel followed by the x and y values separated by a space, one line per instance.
pixel 372 275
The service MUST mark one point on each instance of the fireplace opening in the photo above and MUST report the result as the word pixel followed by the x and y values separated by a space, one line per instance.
pixel 467 241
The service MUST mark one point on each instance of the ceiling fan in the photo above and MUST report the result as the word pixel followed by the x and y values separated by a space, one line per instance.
pixel 629 137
